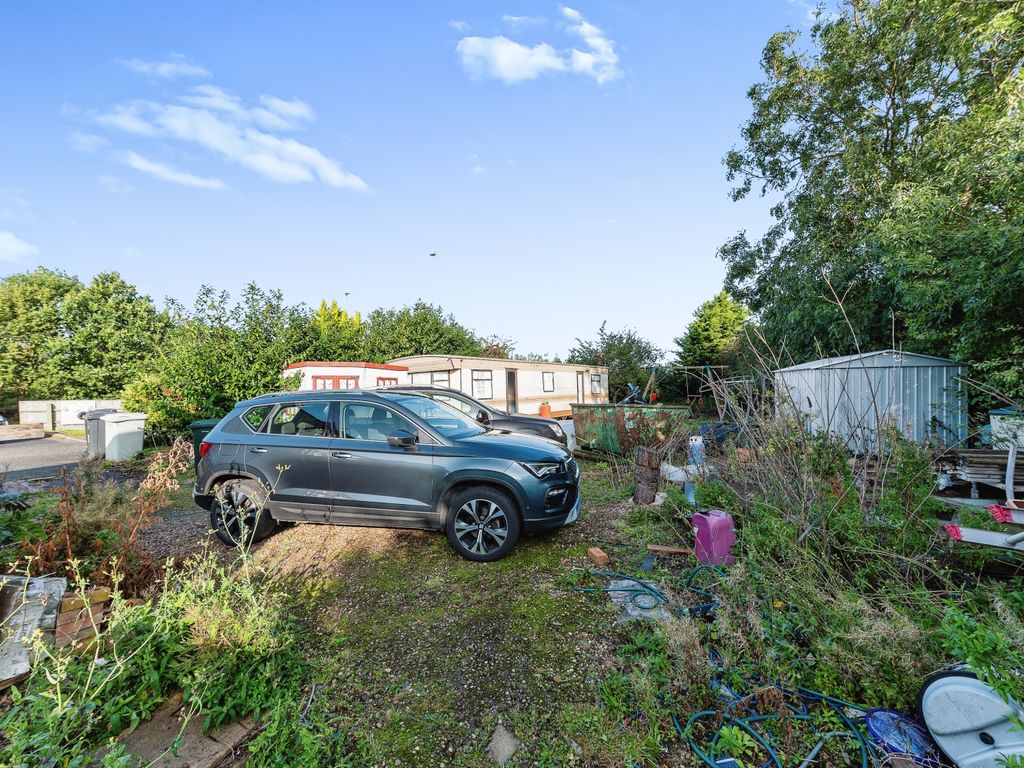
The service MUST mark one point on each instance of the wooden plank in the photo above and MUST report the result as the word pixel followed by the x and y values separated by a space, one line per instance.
pixel 659 549
pixel 12 432
pixel 93 596
pixel 81 616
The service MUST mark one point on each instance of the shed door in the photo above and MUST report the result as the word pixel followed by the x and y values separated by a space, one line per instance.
pixel 511 390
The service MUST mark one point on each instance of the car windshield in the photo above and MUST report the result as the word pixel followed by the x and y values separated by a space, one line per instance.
pixel 449 421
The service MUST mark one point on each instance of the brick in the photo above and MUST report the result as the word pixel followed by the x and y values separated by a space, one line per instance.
pixel 598 556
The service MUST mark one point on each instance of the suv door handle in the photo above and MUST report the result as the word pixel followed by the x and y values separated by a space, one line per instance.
pixel 340 455
pixel 257 450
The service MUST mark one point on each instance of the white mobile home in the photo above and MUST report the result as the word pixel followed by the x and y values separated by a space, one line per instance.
pixel 350 375
pixel 517 386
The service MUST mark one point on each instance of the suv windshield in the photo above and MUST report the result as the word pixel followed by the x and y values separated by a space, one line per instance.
pixel 449 421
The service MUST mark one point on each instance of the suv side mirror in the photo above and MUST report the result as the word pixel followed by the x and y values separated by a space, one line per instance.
pixel 483 417
pixel 402 438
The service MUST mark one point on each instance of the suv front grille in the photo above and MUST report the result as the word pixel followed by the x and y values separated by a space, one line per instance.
pixel 572 468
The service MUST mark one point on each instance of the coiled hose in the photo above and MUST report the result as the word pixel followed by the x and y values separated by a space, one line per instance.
pixel 646 596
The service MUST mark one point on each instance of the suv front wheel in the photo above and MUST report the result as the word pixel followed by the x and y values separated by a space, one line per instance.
pixel 483 523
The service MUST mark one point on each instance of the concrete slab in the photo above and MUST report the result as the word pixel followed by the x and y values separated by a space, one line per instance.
pixel 40 458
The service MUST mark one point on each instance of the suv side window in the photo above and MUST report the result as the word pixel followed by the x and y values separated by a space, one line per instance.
pixel 255 417
pixel 302 420
pixel 360 421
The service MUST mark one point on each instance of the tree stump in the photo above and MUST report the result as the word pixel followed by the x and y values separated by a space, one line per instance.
pixel 646 474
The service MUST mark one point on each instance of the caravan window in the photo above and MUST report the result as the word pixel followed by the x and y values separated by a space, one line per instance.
pixel 549 381
pixel 483 385
pixel 595 383
pixel 419 379
pixel 440 379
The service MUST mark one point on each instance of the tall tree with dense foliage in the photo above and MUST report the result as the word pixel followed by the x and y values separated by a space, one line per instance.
pixel 875 138
pixel 630 358
pixel 714 333
pixel 107 330
pixel 421 329
pixel 31 318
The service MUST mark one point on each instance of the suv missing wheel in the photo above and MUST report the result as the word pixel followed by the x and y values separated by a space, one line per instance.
pixel 395 460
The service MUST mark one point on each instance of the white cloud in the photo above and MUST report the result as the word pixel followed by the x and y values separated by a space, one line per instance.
pixel 115 186
pixel 222 123
pixel 85 142
pixel 513 62
pixel 478 170
pixel 506 59
pixel 458 25
pixel 167 173
pixel 175 66
pixel 599 61
pixel 14 249
pixel 523 21
pixel 130 253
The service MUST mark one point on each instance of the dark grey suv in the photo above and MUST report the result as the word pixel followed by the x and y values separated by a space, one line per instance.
pixel 390 459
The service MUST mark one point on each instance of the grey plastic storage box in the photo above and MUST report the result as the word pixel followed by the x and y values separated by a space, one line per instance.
pixel 95 440
pixel 123 435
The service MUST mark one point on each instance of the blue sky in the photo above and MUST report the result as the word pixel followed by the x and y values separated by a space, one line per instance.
pixel 563 161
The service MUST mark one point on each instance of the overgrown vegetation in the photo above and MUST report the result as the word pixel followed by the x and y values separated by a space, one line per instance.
pixel 221 634
pixel 891 136
pixel 91 527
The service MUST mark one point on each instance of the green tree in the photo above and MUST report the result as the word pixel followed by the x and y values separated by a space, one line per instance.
pixel 335 335
pixel 107 330
pixel 630 358
pixel 713 335
pixel 217 354
pixel 421 329
pixel 852 133
pixel 31 307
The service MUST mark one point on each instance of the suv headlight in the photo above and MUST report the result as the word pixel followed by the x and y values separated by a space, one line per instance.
pixel 543 468
pixel 557 430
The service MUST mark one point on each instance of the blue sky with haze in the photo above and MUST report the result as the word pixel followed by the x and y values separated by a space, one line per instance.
pixel 563 161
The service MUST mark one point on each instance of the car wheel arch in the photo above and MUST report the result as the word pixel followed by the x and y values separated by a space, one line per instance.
pixel 232 474
pixel 463 483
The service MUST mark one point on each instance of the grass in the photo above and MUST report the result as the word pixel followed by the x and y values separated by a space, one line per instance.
pixel 419 654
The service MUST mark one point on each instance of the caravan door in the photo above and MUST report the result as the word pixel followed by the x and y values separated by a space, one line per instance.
pixel 512 390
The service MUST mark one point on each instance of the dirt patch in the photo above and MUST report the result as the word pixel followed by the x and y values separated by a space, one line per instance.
pixel 324 549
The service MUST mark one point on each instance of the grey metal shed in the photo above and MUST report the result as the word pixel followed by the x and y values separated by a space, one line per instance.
pixel 849 396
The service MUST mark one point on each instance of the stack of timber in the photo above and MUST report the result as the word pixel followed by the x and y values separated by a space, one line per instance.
pixel 981 465
pixel 39 608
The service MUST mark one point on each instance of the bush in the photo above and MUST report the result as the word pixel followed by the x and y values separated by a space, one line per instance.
pixel 94 529
pixel 220 633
